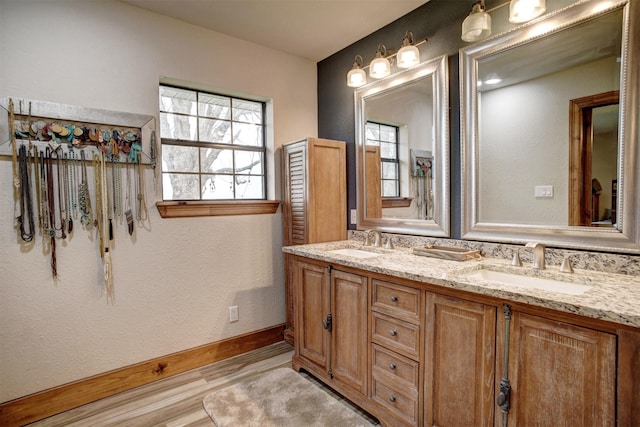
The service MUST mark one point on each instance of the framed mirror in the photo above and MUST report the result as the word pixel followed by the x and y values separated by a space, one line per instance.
pixel 549 128
pixel 402 137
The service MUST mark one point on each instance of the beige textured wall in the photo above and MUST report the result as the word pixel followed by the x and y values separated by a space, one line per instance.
pixel 174 280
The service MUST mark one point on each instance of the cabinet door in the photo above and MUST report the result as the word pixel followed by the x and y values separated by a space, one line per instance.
pixel 460 361
pixel 294 202
pixel 560 374
pixel 312 307
pixel 349 345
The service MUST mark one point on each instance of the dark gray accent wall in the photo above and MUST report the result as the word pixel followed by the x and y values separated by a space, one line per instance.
pixel 440 21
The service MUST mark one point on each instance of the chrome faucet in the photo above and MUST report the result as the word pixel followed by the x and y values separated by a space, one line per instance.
pixel 538 255
pixel 377 239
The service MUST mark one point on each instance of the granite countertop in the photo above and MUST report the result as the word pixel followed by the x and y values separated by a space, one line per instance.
pixel 611 297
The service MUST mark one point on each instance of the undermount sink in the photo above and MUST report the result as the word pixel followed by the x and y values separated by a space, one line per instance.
pixel 524 281
pixel 353 252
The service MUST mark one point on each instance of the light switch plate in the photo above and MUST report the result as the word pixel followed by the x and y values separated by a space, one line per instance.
pixel 354 216
pixel 543 191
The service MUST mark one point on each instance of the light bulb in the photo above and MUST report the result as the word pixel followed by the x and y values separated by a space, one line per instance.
pixel 408 56
pixel 525 10
pixel 356 77
pixel 477 25
pixel 379 68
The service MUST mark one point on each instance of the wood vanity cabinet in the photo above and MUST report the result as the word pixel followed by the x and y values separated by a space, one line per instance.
pixel 396 318
pixel 460 362
pixel 331 332
pixel 559 373
pixel 414 355
pixel 314 201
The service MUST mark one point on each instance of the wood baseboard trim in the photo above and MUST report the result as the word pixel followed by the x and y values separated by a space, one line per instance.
pixel 49 402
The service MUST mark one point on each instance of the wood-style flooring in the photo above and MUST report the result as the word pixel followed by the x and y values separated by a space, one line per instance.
pixel 177 401
pixel 174 401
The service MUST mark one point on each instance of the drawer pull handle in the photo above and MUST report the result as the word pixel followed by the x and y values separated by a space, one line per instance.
pixel 394 298
pixel 392 366
pixel 393 332
pixel 392 398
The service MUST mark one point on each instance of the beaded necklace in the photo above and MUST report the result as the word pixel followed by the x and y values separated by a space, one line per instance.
pixel 14 149
pixel 52 214
pixel 83 195
pixel 117 187
pixel 73 160
pixel 67 192
pixel 100 201
pixel 38 190
pixel 141 212
pixel 127 201
pixel 60 210
pixel 62 207
pixel 44 202
pixel 25 197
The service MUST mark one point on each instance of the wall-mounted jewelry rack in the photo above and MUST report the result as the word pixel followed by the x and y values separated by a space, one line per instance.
pixel 51 146
pixel 60 127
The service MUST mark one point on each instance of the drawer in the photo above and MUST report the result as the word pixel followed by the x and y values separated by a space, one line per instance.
pixel 395 300
pixel 405 405
pixel 399 369
pixel 395 334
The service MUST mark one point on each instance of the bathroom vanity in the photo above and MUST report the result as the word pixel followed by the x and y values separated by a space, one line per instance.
pixel 420 341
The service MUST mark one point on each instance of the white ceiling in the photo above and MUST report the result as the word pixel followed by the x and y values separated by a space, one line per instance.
pixel 313 29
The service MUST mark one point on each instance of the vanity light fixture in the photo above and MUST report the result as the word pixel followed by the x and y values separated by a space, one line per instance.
pixel 380 66
pixel 525 10
pixel 477 25
pixel 356 77
pixel 408 55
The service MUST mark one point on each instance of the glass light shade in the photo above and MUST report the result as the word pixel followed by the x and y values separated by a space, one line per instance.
pixel 476 26
pixel 379 68
pixel 408 56
pixel 356 77
pixel 525 10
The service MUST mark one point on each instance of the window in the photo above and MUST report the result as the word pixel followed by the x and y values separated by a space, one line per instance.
pixel 386 137
pixel 213 146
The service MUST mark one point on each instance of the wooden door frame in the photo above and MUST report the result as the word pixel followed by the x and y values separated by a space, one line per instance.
pixel 580 152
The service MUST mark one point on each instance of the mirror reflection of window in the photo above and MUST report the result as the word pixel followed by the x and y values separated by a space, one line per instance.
pixel 386 137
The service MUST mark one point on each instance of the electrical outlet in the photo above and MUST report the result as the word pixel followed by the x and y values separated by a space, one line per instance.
pixel 354 216
pixel 233 314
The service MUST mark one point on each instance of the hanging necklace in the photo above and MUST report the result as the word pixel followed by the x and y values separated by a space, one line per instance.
pixel 73 195
pixel 83 195
pixel 141 212
pixel 14 149
pixel 52 214
pixel 62 206
pixel 99 217
pixel 61 209
pixel 38 189
pixel 104 249
pixel 117 187
pixel 127 200
pixel 44 203
pixel 14 159
pixel 67 193
pixel 25 197
pixel 153 153
pixel 109 196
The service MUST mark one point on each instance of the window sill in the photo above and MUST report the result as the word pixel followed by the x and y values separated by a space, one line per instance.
pixel 179 209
